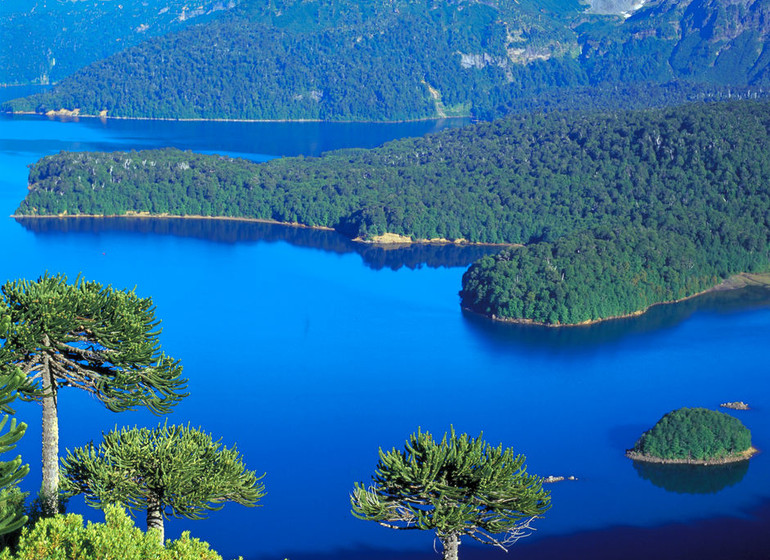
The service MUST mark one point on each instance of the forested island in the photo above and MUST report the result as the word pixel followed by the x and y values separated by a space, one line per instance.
pixel 344 60
pixel 617 211
pixel 694 436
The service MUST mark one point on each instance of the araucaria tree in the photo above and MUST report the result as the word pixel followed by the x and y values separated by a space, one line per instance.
pixel 11 472
pixel 83 335
pixel 460 486
pixel 172 471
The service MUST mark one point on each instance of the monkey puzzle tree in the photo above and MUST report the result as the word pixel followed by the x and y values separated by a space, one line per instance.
pixel 172 471
pixel 461 486
pixel 83 335
pixel 11 518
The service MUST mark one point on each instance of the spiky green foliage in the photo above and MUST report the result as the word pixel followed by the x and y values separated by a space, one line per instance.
pixel 11 472
pixel 64 537
pixel 175 471
pixel 459 486
pixel 84 335
pixel 99 339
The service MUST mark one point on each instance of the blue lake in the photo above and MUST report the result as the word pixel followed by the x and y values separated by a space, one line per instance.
pixel 311 352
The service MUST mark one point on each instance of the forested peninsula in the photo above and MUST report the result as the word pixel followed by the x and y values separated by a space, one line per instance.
pixel 617 211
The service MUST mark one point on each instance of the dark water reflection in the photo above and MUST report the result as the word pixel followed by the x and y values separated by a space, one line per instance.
pixel 657 318
pixel 235 231
pixel 692 479
pixel 720 538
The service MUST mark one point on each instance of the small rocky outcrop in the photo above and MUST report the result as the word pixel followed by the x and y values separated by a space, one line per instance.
pixel 735 405
pixel 551 479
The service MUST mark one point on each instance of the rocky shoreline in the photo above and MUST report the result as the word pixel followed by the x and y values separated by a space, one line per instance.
pixel 737 458
pixel 67 114
pixel 735 405
pixel 550 479
pixel 386 240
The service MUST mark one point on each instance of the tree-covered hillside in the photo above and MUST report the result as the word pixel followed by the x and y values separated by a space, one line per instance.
pixel 618 211
pixel 47 40
pixel 375 60
pixel 709 41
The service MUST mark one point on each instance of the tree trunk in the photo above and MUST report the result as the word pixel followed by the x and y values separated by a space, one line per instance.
pixel 450 544
pixel 155 518
pixel 50 488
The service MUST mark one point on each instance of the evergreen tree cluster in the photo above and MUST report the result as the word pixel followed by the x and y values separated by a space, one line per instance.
pixel 618 210
pixel 694 433
pixel 102 340
pixel 56 334
pixel 588 276
pixel 394 60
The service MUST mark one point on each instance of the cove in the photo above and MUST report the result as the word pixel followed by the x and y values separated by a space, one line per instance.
pixel 311 354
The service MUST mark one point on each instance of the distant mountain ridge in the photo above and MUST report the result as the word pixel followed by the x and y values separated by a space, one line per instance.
pixel 398 59
pixel 47 40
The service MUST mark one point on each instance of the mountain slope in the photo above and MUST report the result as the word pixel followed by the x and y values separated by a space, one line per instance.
pixel 398 59
pixel 58 37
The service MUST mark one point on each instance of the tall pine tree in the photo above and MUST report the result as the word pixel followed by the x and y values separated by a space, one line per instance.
pixel 94 338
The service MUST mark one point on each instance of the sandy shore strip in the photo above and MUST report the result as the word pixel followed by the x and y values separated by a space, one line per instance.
pixel 737 458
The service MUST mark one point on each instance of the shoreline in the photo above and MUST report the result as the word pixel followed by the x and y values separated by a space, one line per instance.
pixel 734 282
pixel 387 240
pixel 743 456
pixel 396 241
pixel 67 115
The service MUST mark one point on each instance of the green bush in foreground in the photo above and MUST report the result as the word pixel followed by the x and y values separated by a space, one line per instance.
pixel 694 433
pixel 64 537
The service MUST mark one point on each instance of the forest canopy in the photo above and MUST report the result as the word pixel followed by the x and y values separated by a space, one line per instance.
pixel 617 210
pixel 695 434
pixel 393 60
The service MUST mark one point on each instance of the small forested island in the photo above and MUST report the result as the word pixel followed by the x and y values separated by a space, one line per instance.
pixel 694 436
pixel 616 211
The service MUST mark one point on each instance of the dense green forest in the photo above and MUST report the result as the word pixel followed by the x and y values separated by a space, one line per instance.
pixel 374 60
pixel 693 434
pixel 58 38
pixel 618 211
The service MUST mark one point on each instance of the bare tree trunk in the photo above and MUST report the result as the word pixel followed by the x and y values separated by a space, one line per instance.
pixel 50 488
pixel 155 518
pixel 450 545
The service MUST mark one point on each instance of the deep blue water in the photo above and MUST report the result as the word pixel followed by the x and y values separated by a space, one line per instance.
pixel 312 352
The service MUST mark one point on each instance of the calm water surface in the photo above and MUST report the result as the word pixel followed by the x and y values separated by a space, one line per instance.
pixel 311 352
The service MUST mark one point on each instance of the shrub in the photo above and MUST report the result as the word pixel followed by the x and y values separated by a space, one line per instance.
pixel 64 537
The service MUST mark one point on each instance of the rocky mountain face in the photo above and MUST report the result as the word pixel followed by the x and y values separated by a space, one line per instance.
pixel 707 41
